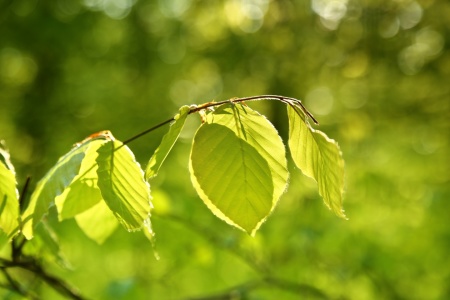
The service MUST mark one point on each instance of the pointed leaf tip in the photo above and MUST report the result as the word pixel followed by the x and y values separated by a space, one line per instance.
pixel 167 143
pixel 319 158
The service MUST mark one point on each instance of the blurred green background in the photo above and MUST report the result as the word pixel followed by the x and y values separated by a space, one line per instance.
pixel 376 74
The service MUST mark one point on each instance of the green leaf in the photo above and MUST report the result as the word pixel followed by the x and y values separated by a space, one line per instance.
pixel 50 186
pixel 122 185
pixel 319 158
pixel 167 143
pixel 9 196
pixel 49 242
pixel 56 181
pixel 238 166
pixel 3 239
pixel 83 192
pixel 98 222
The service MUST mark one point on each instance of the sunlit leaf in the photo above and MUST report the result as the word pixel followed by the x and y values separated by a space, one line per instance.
pixel 238 166
pixel 55 182
pixel 50 186
pixel 167 143
pixel 122 185
pixel 98 222
pixel 9 197
pixel 319 158
pixel 83 192
pixel 3 239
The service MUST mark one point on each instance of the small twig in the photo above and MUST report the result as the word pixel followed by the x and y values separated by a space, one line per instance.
pixel 147 131
pixel 24 192
pixel 235 292
pixel 241 290
pixel 287 100
pixel 294 287
pixel 15 286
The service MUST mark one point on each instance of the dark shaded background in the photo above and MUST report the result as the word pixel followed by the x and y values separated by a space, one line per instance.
pixel 375 73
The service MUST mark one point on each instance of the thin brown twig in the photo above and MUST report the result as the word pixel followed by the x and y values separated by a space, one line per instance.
pixel 195 108
pixel 147 131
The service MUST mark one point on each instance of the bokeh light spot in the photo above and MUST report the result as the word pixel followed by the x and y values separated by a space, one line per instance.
pixel 320 100
pixel 331 12
pixel 115 9
pixel 410 15
pixel 246 15
pixel 389 27
pixel 16 69
pixel 427 45
pixel 174 8
pixel 356 66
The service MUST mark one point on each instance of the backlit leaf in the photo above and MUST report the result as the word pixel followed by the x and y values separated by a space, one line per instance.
pixel 3 239
pixel 9 197
pixel 319 158
pixel 56 181
pixel 50 186
pixel 83 192
pixel 98 222
pixel 238 166
pixel 122 185
pixel 167 143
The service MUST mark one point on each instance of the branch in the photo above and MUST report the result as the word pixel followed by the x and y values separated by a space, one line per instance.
pixel 15 286
pixel 148 130
pixel 33 266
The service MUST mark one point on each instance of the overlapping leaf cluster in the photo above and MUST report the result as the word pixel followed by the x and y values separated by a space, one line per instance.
pixel 237 165
pixel 99 183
